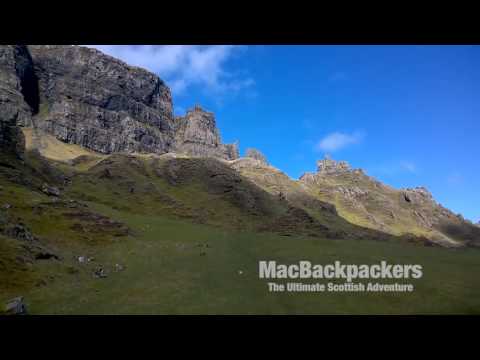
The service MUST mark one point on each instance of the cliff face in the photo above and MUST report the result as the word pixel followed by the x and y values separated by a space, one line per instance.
pixel 196 134
pixel 16 78
pixel 84 97
pixel 96 101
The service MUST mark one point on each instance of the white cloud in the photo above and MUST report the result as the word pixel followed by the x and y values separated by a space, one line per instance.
pixel 337 140
pixel 182 66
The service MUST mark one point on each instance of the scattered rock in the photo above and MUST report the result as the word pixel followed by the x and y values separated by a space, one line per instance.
pixel 6 206
pixel 16 306
pixel 81 259
pixel 50 190
pixel 45 255
pixel 119 267
pixel 99 273
pixel 352 192
pixel 19 231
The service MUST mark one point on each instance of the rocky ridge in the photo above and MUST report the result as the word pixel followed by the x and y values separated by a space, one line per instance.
pixel 366 201
pixel 84 97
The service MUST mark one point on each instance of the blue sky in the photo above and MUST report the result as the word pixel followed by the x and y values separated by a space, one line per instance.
pixel 407 115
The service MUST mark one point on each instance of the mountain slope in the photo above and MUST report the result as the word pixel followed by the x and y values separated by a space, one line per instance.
pixel 188 234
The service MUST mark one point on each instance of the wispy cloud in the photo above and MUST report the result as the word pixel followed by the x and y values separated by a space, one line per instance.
pixel 455 178
pixel 338 140
pixel 408 166
pixel 183 66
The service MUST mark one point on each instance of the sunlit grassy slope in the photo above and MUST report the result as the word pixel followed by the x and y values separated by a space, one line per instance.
pixel 52 148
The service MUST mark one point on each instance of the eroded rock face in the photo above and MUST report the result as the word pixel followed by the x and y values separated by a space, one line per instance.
pixel 410 210
pixel 329 166
pixel 196 134
pixel 82 96
pixel 99 102
pixel 257 155
pixel 418 195
pixel 16 77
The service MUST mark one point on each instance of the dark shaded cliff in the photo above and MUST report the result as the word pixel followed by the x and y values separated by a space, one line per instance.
pixel 99 102
pixel 17 95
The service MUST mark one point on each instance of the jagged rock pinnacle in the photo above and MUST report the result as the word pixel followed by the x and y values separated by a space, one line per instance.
pixel 257 155
pixel 328 166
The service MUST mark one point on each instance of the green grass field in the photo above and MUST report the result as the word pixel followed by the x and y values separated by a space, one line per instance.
pixel 186 253
pixel 166 274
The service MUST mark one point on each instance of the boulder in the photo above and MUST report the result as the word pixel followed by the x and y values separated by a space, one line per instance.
pixel 15 306
pixel 50 190
pixel 99 273
pixel 119 267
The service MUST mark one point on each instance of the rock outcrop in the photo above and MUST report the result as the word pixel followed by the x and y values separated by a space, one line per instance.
pixel 365 201
pixel 197 134
pixel 17 82
pixel 99 102
pixel 257 155
pixel 84 97
pixel 418 195
pixel 329 166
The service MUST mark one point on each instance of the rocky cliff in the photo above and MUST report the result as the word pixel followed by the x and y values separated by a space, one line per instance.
pixel 99 102
pixel 16 100
pixel 80 96
pixel 257 155
pixel 84 97
pixel 197 134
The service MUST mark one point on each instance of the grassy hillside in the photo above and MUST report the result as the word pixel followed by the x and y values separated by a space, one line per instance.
pixel 189 234
pixel 174 267
pixel 367 203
